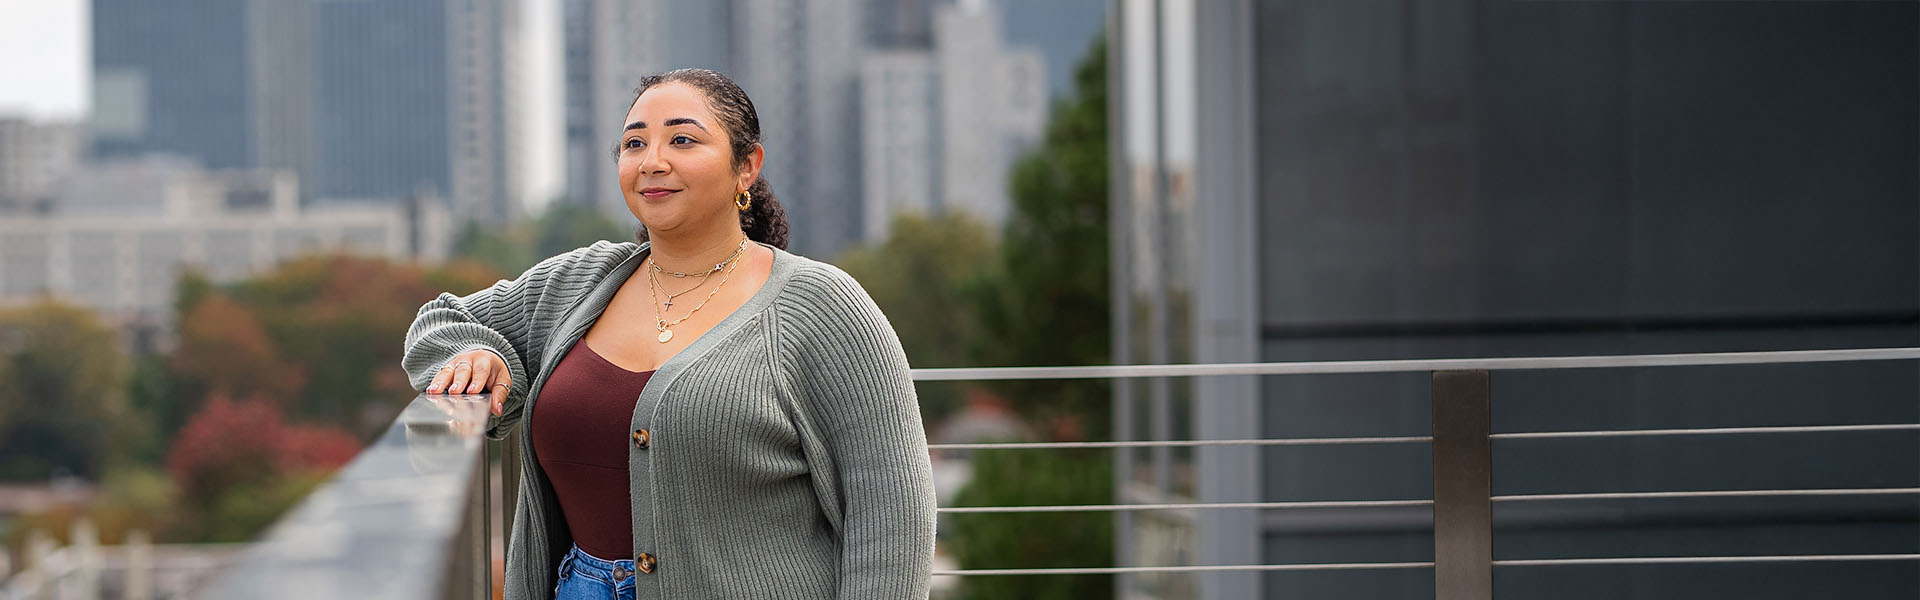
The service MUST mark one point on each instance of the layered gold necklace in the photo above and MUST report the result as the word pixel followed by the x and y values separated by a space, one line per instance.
pixel 655 288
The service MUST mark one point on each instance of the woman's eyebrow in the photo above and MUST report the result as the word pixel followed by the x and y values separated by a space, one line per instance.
pixel 670 122
pixel 684 121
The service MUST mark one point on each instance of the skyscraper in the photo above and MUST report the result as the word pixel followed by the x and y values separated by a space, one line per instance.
pixel 899 100
pixel 608 48
pixel 799 61
pixel 360 98
pixel 34 155
pixel 172 78
pixel 942 125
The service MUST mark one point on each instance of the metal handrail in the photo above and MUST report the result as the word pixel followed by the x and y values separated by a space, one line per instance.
pixel 1415 365
pixel 407 518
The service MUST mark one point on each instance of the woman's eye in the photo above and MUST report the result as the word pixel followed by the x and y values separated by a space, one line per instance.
pixel 632 143
pixel 681 139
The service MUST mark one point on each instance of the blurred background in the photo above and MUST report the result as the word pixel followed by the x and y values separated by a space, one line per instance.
pixel 218 217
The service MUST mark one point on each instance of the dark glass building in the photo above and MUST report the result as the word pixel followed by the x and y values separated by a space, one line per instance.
pixel 1304 180
pixel 172 77
pixel 382 113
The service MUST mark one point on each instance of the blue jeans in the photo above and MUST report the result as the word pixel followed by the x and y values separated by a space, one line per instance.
pixel 586 577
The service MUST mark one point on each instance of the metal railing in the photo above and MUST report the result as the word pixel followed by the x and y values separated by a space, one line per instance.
pixel 1461 439
pixel 408 518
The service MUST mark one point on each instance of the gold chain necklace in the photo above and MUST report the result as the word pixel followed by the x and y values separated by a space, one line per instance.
pixel 666 331
pixel 654 271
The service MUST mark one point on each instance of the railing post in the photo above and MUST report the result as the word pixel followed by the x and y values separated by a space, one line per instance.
pixel 1462 485
pixel 481 521
pixel 470 570
pixel 509 490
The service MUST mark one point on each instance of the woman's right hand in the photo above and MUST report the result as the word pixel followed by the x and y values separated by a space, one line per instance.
pixel 472 372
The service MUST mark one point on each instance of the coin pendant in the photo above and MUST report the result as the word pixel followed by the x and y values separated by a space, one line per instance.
pixel 666 334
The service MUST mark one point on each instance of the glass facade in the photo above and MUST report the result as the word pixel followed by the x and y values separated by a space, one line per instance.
pixel 1512 178
pixel 173 78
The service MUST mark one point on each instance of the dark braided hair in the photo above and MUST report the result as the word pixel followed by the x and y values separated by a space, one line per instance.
pixel 765 221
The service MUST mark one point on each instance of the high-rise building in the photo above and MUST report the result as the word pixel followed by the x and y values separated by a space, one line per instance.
pixel 173 78
pixel 993 105
pixel 359 98
pixel 943 125
pixel 609 46
pixel 34 155
pixel 483 83
pixel 798 59
pixel 899 104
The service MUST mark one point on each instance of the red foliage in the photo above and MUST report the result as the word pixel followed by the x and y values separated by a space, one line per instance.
pixel 231 443
pixel 323 448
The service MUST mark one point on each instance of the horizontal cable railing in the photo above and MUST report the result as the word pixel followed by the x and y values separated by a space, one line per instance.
pixel 1557 435
pixel 1191 569
pixel 1539 435
pixel 1706 494
pixel 1679 560
pixel 1416 365
pixel 1543 562
pixel 1189 506
pixel 1462 460
pixel 1183 443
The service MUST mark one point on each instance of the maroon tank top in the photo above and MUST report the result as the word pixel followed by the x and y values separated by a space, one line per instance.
pixel 580 437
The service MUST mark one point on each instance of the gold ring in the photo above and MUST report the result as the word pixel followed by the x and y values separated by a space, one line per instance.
pixel 509 385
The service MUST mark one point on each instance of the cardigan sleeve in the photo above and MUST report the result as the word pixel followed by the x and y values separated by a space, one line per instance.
pixel 853 377
pixel 499 318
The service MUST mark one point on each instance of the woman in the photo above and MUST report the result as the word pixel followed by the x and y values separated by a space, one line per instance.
pixel 705 415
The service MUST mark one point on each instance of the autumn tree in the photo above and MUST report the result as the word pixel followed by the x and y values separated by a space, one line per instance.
pixel 62 393
pixel 239 464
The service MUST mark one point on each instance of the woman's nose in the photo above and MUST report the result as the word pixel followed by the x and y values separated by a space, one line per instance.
pixel 651 162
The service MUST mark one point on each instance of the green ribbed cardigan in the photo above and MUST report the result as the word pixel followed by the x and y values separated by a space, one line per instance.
pixel 787 458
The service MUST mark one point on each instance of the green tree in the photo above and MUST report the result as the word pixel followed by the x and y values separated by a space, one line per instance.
pixel 567 225
pixel 1044 301
pixel 62 393
pixel 506 250
pixel 564 226
pixel 919 277
pixel 1035 540
pixel 1047 296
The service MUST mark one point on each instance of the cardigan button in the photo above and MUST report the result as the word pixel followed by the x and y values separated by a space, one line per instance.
pixel 642 439
pixel 646 563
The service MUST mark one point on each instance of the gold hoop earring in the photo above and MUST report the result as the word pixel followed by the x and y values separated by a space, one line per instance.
pixel 743 200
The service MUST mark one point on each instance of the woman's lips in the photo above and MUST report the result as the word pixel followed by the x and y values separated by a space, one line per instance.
pixel 656 193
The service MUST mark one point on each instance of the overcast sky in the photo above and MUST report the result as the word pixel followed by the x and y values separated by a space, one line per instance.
pixel 43 58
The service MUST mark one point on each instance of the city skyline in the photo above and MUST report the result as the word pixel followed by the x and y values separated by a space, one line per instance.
pixel 46 53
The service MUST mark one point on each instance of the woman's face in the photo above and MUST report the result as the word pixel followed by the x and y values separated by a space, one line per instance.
pixel 676 162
